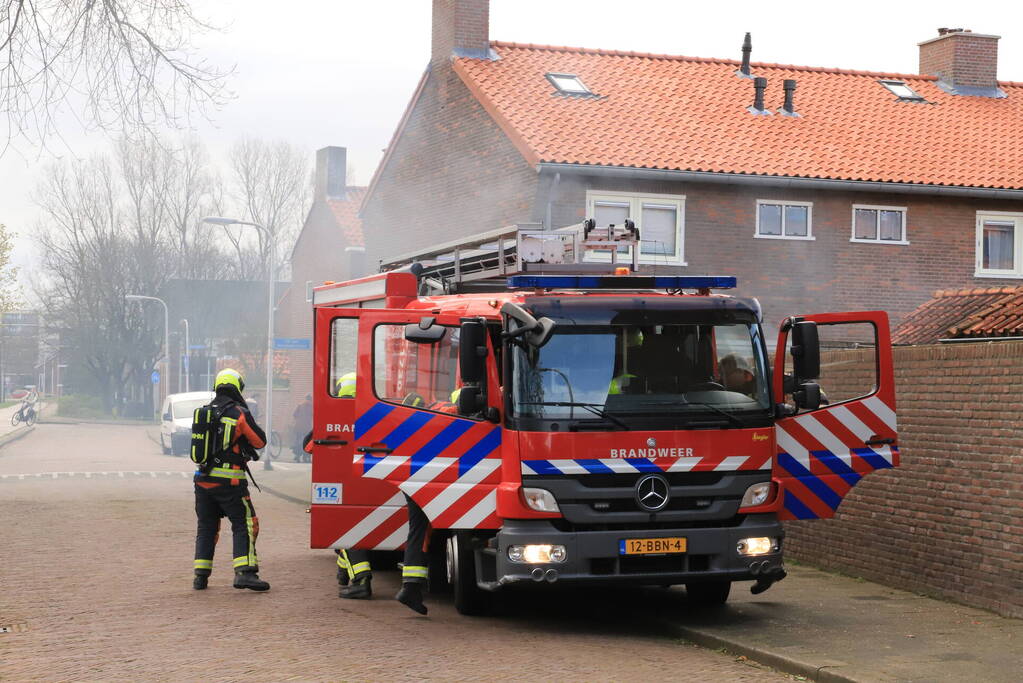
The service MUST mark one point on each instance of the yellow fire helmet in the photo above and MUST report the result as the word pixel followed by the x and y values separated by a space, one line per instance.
pixel 230 377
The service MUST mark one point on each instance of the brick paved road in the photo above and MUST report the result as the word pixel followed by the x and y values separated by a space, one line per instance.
pixel 96 585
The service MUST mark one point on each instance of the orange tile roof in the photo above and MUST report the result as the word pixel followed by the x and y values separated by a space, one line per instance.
pixel 688 113
pixel 963 313
pixel 346 213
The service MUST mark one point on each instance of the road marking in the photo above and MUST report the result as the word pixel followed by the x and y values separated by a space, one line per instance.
pixel 89 475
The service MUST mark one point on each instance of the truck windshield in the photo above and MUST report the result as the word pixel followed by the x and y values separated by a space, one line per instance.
pixel 668 376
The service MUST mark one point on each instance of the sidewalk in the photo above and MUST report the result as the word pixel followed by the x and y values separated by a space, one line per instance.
pixel 823 626
pixel 829 627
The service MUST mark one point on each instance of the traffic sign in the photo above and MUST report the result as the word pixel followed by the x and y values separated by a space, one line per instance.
pixel 155 377
pixel 292 343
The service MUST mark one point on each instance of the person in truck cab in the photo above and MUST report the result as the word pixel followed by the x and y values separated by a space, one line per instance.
pixel 627 381
pixel 736 375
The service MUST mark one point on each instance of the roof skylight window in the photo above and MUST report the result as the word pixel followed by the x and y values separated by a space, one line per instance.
pixel 901 90
pixel 570 84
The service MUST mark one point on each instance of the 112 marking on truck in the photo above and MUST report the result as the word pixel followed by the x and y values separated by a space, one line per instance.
pixel 561 416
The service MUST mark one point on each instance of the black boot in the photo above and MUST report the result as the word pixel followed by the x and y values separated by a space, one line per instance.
pixel 250 579
pixel 200 582
pixel 342 577
pixel 411 595
pixel 361 589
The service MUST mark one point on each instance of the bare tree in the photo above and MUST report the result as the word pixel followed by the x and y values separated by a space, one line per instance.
pixel 8 290
pixel 120 65
pixel 91 262
pixel 272 181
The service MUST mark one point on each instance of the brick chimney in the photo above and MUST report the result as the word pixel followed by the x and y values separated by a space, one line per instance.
pixel 461 28
pixel 965 63
pixel 331 169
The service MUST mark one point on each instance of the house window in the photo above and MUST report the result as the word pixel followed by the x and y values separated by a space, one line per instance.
pixel 999 245
pixel 901 90
pixel 784 220
pixel 660 220
pixel 570 84
pixel 879 224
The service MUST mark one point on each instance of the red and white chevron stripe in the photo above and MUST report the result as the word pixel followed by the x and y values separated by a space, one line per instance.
pixel 838 430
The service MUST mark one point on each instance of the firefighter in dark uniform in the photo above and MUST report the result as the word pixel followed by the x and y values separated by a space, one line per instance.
pixel 354 574
pixel 221 490
pixel 414 571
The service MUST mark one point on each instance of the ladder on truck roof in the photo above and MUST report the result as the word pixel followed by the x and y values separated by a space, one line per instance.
pixel 484 262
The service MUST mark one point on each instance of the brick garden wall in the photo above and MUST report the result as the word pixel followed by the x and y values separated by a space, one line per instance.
pixel 949 521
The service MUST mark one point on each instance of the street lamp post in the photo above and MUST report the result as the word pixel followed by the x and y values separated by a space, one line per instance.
pixel 184 358
pixel 218 220
pixel 166 333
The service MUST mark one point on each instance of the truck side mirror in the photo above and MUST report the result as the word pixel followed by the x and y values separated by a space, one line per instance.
pixel 472 352
pixel 535 332
pixel 806 351
pixel 470 400
pixel 807 396
pixel 425 332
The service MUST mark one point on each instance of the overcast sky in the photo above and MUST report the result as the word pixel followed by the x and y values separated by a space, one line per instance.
pixel 340 72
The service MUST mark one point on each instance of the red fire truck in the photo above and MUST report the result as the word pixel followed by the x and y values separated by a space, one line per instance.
pixel 561 417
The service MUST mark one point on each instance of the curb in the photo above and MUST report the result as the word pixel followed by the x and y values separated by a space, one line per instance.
pixel 13 436
pixel 286 497
pixel 783 663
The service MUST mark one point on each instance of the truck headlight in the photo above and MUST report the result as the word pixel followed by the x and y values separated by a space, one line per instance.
pixel 760 545
pixel 537 554
pixel 758 494
pixel 540 500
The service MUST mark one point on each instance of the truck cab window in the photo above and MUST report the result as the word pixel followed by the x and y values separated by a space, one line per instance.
pixel 343 356
pixel 418 375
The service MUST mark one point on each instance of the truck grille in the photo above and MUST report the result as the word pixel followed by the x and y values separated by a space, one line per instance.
pixel 608 501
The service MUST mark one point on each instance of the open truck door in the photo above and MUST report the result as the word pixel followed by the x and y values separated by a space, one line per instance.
pixel 346 510
pixel 408 433
pixel 835 370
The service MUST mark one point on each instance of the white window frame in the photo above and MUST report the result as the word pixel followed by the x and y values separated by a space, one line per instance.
pixel 1017 246
pixel 583 89
pixel 875 207
pixel 782 203
pixel 890 85
pixel 636 201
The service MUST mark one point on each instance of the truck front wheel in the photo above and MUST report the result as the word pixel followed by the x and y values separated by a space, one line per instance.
pixel 708 593
pixel 461 569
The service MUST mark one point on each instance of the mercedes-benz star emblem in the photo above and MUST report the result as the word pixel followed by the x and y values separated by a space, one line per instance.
pixel 652 492
pixel 651 442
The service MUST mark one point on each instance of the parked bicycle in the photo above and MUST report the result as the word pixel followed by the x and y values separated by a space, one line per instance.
pixel 275 445
pixel 26 413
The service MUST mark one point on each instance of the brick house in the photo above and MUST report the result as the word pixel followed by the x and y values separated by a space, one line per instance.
pixel 821 189
pixel 329 248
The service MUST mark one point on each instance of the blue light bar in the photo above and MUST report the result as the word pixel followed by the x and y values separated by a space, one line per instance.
pixel 622 282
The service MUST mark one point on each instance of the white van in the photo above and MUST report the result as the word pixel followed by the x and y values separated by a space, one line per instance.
pixel 176 423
